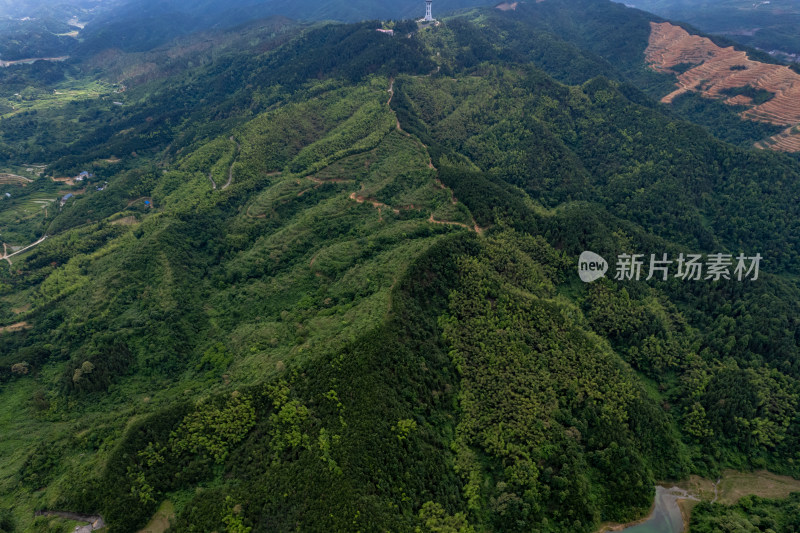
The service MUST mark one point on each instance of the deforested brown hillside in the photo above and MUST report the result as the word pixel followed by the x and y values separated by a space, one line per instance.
pixel 717 72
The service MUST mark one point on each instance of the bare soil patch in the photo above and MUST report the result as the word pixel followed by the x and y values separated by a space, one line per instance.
pixel 19 326
pixel 68 181
pixel 715 70
pixel 125 221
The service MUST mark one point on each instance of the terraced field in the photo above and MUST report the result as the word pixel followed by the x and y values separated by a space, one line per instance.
pixel 13 179
pixel 715 71
pixel 785 141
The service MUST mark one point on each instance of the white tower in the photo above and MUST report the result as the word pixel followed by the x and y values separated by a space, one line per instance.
pixel 428 16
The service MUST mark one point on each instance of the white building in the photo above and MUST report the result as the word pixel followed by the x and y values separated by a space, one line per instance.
pixel 428 15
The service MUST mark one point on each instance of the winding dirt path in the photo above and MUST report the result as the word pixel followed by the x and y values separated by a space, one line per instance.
pixel 249 214
pixel 477 229
pixel 380 205
pixel 373 201
pixel 141 198
pixel 389 103
pixel 330 180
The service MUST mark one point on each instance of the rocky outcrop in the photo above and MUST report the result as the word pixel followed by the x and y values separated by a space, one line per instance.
pixel 93 522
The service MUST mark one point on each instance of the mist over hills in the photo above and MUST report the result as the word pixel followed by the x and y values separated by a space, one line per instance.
pixel 43 8
pixel 220 13
pixel 142 24
pixel 301 9
pixel 139 25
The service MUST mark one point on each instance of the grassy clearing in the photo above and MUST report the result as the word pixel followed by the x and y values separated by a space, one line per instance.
pixel 736 485
pixel 733 486
pixel 161 520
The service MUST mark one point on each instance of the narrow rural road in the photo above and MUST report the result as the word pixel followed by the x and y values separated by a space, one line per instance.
pixel 7 256
pixel 230 170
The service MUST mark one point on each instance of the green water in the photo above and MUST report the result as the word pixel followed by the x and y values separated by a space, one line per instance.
pixel 666 516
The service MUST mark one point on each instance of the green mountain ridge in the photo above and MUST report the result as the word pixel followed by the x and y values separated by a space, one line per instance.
pixel 353 305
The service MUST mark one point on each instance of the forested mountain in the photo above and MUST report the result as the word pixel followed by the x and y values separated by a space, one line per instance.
pixel 324 278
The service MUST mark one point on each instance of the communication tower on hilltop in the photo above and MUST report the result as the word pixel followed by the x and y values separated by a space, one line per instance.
pixel 428 16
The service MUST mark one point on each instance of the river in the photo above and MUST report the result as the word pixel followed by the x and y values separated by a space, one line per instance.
pixel 666 516
pixel 31 60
